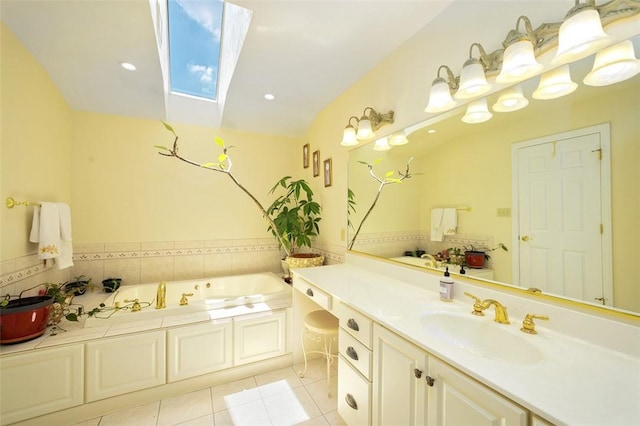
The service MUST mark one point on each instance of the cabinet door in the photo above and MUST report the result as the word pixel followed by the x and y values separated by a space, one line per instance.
pixel 125 364
pixel 259 337
pixel 456 399
pixel 198 349
pixel 40 382
pixel 399 385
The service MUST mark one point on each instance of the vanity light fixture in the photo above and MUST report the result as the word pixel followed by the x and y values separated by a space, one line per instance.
pixel 511 99
pixel 477 112
pixel 398 138
pixel 519 61
pixel 613 65
pixel 382 145
pixel 365 127
pixel 580 34
pixel 554 84
pixel 349 135
pixel 440 99
pixel 472 79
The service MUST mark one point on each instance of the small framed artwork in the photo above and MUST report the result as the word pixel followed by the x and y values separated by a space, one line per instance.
pixel 305 155
pixel 327 172
pixel 316 163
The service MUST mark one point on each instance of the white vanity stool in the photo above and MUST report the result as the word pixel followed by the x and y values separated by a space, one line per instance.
pixel 319 326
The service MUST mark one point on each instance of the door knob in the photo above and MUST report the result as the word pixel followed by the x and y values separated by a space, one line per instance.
pixel 525 238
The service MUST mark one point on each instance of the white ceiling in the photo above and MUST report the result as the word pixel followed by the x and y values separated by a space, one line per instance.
pixel 306 52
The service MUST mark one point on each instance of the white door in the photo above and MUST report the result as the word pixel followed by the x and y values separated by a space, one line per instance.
pixel 561 204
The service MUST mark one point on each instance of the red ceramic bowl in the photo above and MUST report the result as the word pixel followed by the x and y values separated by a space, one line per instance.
pixel 24 319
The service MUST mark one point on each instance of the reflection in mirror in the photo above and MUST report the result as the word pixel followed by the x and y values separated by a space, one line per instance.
pixel 469 168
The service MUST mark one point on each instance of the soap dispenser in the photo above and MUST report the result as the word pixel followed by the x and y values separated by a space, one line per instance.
pixel 446 287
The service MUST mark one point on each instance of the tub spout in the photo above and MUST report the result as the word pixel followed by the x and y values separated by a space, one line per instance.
pixel 161 296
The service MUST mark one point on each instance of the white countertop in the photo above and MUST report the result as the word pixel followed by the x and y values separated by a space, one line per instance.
pixel 577 382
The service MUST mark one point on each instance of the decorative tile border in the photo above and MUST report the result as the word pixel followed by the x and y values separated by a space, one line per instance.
pixel 23 274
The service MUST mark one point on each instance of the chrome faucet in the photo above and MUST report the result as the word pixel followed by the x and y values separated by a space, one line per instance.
pixel 479 306
pixel 161 296
pixel 432 262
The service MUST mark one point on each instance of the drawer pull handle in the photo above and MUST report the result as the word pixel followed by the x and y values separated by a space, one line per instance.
pixel 430 380
pixel 352 324
pixel 309 292
pixel 417 373
pixel 352 353
pixel 351 401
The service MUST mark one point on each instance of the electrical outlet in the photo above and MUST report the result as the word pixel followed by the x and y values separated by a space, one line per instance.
pixel 504 212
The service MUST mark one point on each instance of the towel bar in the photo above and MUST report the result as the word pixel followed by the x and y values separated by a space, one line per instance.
pixel 11 203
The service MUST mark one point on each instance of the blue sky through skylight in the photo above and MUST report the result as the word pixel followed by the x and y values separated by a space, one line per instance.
pixel 194 46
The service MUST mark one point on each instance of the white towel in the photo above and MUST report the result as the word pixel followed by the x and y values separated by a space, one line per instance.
pixel 449 224
pixel 436 224
pixel 51 229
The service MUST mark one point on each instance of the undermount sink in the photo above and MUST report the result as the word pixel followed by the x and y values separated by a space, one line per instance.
pixel 483 337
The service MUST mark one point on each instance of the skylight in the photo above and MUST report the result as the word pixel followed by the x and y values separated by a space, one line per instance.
pixel 195 27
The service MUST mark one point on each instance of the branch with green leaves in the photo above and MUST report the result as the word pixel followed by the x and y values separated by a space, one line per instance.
pixel 223 165
pixel 389 178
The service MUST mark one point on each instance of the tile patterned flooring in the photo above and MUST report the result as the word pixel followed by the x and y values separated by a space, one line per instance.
pixel 275 398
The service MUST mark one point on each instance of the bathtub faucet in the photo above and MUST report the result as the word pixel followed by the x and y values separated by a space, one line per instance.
pixel 161 296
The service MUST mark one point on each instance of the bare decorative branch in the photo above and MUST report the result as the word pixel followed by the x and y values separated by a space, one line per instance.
pixel 383 181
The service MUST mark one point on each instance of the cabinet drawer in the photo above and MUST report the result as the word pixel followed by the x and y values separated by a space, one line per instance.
pixel 321 297
pixel 355 323
pixel 355 353
pixel 354 395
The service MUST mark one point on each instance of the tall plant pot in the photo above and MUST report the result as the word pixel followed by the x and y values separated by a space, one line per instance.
pixel 304 260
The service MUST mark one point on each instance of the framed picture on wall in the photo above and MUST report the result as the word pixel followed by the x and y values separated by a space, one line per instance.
pixel 305 155
pixel 316 163
pixel 327 172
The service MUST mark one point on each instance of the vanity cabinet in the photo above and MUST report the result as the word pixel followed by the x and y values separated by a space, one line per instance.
pixel 124 364
pixel 410 387
pixel 41 382
pixel 399 380
pixel 458 399
pixel 199 349
pixel 260 336
pixel 355 361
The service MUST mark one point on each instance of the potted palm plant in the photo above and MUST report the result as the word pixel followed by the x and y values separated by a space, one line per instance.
pixel 295 216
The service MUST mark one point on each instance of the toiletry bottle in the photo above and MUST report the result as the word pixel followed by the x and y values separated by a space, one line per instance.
pixel 446 287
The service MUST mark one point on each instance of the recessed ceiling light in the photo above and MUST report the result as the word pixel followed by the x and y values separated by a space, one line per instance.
pixel 431 131
pixel 269 97
pixel 127 66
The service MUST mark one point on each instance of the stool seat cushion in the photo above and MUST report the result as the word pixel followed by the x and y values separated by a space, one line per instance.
pixel 321 322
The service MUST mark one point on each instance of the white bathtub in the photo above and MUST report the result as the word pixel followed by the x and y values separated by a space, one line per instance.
pixel 208 294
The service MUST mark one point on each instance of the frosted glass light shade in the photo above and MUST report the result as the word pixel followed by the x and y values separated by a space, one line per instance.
pixel 398 139
pixel 349 136
pixel 580 35
pixel 477 112
pixel 511 99
pixel 519 63
pixel 364 129
pixel 472 81
pixel 554 84
pixel 440 99
pixel 613 65
pixel 382 145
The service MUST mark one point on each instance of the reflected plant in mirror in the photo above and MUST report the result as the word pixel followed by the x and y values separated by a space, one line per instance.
pixel 389 178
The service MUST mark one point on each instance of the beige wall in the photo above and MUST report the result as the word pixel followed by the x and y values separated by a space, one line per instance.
pixel 35 142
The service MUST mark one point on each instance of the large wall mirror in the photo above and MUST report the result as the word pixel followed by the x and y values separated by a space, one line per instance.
pixel 476 169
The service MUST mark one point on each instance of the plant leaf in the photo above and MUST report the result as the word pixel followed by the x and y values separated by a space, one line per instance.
pixel 168 127
pixel 219 141
pixel 222 157
pixel 162 147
